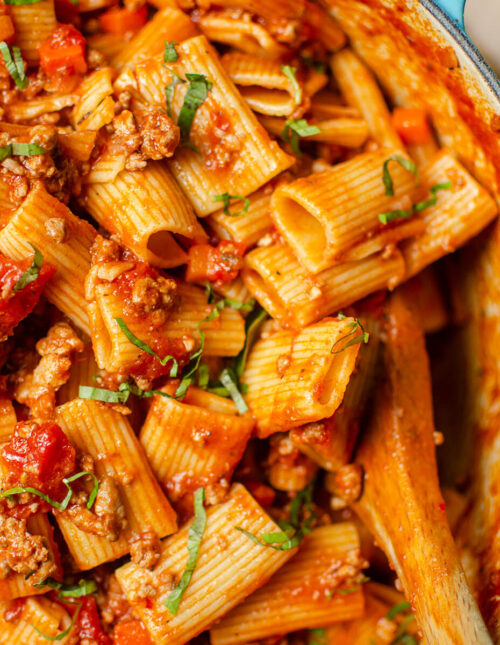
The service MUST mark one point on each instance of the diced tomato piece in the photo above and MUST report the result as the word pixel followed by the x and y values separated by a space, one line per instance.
pixel 219 263
pixel 149 367
pixel 16 305
pixel 263 494
pixel 412 126
pixel 88 625
pixel 42 454
pixel 132 632
pixel 63 52
pixel 121 20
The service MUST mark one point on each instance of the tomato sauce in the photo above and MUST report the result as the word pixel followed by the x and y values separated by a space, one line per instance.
pixel 63 52
pixel 88 623
pixel 16 305
pixel 220 264
pixel 42 455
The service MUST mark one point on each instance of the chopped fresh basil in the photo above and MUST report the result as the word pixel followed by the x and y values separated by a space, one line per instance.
pixel 26 149
pixel 228 380
pixel 203 376
pixel 20 2
pixel 169 90
pixel 170 54
pixel 60 506
pixel 146 348
pixel 292 531
pixel 420 206
pixel 318 65
pixel 317 636
pixel 83 588
pixel 354 327
pixel 400 608
pixel 196 93
pixel 31 274
pixel 63 634
pixel 226 199
pixel 195 535
pixel 101 394
pixel 407 164
pixel 391 216
pixel 21 150
pixel 14 62
pixel 293 130
pixel 120 396
pixel 289 72
pixel 252 325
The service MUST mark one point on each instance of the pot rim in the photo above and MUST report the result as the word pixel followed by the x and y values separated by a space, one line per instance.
pixel 466 45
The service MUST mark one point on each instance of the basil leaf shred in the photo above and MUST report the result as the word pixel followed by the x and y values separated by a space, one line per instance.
pixel 196 93
pixel 195 536
pixel 31 274
pixel 226 199
pixel 407 164
pixel 289 72
pixel 14 63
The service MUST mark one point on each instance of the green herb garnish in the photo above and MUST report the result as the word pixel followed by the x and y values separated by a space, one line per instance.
pixel 420 206
pixel 289 72
pixel 293 130
pixel 31 274
pixel 196 93
pixel 391 216
pixel 169 90
pixel 63 634
pixel 228 380
pixel 146 348
pixel 354 327
pixel 60 506
pixel 317 636
pixel 292 530
pixel 226 199
pixel 407 164
pixel 14 61
pixel 170 54
pixel 195 535
pixel 83 588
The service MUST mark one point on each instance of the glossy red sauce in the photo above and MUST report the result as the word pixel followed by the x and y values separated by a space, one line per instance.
pixel 16 305
pixel 63 52
pixel 218 264
pixel 146 365
pixel 88 623
pixel 42 455
pixel 14 610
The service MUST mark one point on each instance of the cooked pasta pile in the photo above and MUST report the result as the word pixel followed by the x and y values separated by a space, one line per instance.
pixel 215 416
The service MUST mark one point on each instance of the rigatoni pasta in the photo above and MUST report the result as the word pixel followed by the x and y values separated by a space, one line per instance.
pixel 44 222
pixel 204 206
pixel 279 367
pixel 107 437
pixel 305 593
pixel 321 220
pixel 215 587
pixel 194 444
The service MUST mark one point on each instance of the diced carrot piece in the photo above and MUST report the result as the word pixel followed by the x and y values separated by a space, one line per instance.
pixel 412 126
pixel 121 20
pixel 132 632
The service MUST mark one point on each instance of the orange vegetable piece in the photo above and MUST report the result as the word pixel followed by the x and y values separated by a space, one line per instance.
pixel 219 263
pixel 132 632
pixel 412 126
pixel 121 20
pixel 63 52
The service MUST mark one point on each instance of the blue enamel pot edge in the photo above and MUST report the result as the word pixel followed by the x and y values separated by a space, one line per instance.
pixel 450 14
